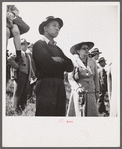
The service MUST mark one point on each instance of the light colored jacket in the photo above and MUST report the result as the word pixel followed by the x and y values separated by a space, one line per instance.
pixel 94 80
pixel 85 77
pixel 82 81
pixel 11 61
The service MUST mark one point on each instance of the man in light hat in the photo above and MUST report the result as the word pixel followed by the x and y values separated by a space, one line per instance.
pixel 51 63
pixel 94 53
pixel 23 76
pixel 103 85
pixel 30 48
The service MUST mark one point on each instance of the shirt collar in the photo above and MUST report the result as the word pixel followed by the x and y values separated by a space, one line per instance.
pixel 48 41
pixel 23 52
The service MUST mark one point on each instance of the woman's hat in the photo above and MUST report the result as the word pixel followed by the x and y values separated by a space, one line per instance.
pixel 76 47
pixel 46 21
pixel 95 51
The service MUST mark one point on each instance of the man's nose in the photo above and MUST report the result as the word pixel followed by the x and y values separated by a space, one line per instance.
pixel 57 28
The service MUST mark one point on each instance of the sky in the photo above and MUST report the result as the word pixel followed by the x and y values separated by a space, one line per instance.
pixel 97 22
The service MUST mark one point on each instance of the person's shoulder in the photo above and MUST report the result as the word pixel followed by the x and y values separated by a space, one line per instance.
pixel 99 69
pixel 28 52
pixel 39 45
pixel 40 42
pixel 59 49
pixel 92 60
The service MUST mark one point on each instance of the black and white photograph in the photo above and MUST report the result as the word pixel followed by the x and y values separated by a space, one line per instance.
pixel 61 85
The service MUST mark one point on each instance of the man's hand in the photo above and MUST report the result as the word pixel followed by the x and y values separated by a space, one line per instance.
pixel 58 59
pixel 80 90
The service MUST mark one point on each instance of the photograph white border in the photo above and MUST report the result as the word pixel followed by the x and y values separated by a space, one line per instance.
pixel 56 131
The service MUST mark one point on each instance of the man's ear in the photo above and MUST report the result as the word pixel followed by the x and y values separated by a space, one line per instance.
pixel 78 52
pixel 45 28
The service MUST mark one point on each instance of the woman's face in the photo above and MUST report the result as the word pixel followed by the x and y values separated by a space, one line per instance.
pixel 84 51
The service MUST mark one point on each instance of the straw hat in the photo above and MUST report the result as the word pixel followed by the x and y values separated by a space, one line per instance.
pixel 76 47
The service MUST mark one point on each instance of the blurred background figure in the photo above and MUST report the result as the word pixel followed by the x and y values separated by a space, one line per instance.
pixel 31 95
pixel 30 49
pixel 112 89
pixel 103 86
pixel 22 78
pixel 7 67
pixel 94 53
pixel 15 26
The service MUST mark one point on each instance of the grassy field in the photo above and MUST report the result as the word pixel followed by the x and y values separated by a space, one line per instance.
pixel 30 108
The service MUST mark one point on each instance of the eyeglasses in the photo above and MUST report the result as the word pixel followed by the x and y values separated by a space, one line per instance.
pixel 85 49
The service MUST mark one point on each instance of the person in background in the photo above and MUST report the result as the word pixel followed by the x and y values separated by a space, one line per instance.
pixel 22 78
pixel 31 95
pixel 112 90
pixel 7 67
pixel 13 30
pixel 84 82
pixel 51 63
pixel 30 49
pixel 94 53
pixel 103 85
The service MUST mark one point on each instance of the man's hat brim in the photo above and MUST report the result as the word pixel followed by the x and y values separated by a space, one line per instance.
pixel 76 47
pixel 30 45
pixel 41 26
pixel 25 42
pixel 101 61
pixel 94 53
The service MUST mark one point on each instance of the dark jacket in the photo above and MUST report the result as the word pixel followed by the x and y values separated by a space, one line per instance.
pixel 46 67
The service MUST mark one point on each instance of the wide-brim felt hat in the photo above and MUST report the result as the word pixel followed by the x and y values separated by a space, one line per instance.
pixel 46 21
pixel 76 47
pixel 95 51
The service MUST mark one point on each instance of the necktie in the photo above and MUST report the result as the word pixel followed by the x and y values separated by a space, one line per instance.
pixel 27 58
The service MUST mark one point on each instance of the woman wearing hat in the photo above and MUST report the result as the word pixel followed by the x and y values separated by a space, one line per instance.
pixel 51 63
pixel 84 80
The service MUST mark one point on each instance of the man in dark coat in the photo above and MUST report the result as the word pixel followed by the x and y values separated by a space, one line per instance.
pixel 51 63
pixel 103 85
pixel 22 78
